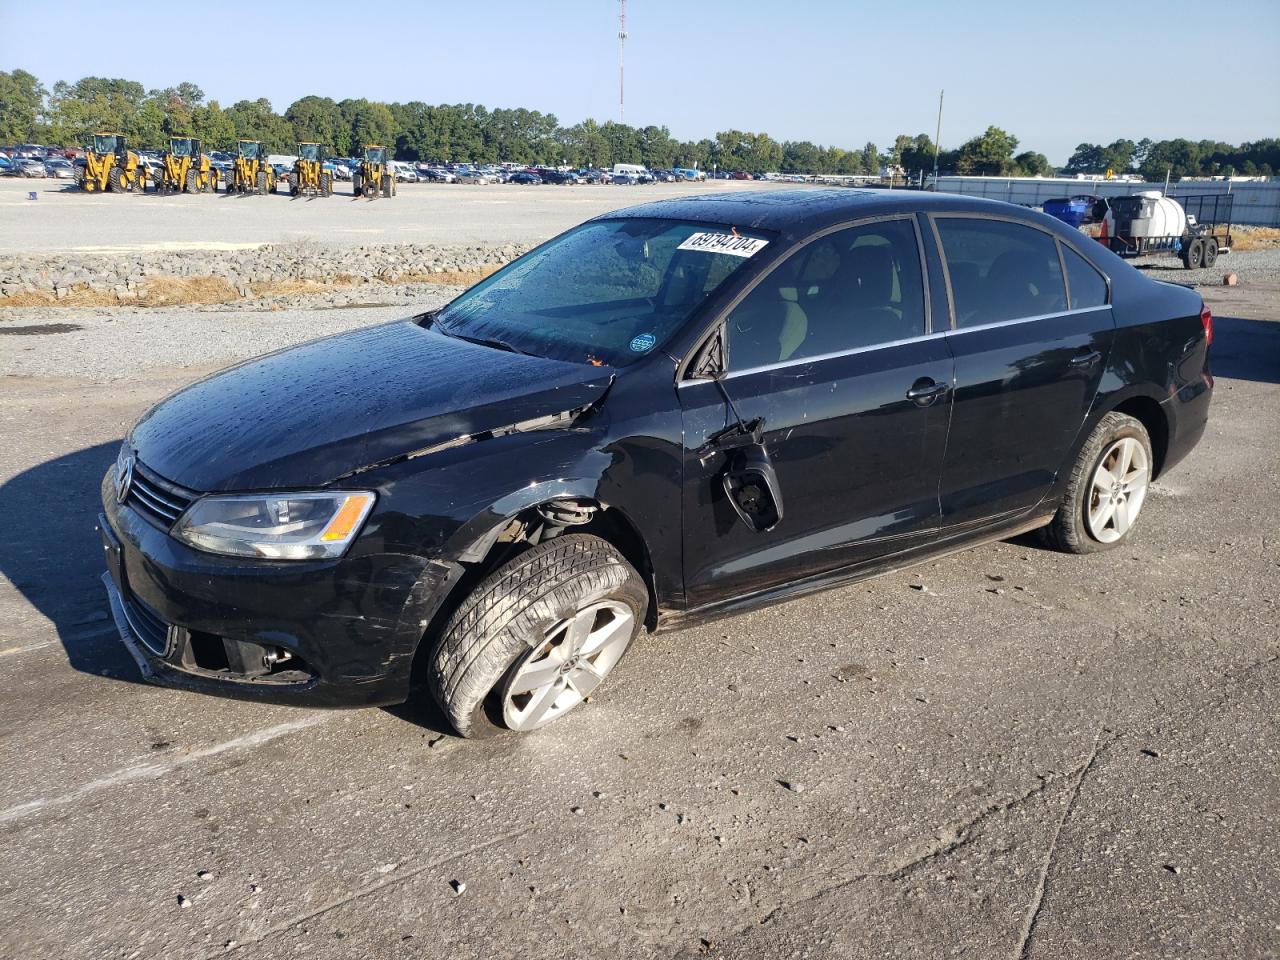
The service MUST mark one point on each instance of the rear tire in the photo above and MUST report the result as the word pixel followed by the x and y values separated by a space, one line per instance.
pixel 262 183
pixel 518 614
pixel 193 182
pixel 326 185
pixel 113 180
pixel 1107 488
pixel 1210 252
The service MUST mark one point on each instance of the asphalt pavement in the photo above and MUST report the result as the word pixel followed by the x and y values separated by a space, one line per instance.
pixel 1008 753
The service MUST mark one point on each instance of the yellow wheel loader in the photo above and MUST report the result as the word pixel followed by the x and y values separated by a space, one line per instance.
pixel 309 178
pixel 251 173
pixel 375 177
pixel 110 165
pixel 186 168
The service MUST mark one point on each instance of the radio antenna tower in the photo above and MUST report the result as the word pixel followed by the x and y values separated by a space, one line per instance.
pixel 622 44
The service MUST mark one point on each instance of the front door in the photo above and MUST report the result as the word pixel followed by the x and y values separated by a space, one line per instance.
pixel 1028 363
pixel 832 350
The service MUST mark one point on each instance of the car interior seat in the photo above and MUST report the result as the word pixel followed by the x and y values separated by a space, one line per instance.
pixel 856 304
pixel 1020 284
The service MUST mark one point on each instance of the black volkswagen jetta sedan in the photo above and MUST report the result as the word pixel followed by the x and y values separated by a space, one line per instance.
pixel 673 412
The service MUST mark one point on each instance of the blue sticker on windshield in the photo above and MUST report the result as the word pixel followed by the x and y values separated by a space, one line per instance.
pixel 643 343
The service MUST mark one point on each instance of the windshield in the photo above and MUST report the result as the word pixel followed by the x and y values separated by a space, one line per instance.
pixel 104 143
pixel 249 150
pixel 608 291
pixel 180 148
pixel 309 151
pixel 373 155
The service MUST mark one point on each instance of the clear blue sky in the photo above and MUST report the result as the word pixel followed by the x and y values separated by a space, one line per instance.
pixel 833 71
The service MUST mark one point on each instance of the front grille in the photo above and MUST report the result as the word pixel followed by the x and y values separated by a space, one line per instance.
pixel 148 626
pixel 156 498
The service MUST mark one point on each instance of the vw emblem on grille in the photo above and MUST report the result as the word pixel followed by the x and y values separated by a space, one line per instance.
pixel 124 478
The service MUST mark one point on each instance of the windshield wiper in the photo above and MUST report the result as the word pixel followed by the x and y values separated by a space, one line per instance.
pixel 433 321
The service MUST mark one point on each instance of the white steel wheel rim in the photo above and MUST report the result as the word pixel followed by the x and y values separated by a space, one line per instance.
pixel 1117 490
pixel 574 657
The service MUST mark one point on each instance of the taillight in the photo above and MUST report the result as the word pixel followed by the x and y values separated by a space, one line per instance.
pixel 1206 318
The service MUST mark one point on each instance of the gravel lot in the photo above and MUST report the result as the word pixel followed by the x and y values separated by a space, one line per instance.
pixel 66 220
pixel 1008 753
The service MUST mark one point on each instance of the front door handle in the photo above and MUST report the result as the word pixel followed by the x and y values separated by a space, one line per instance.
pixel 925 391
pixel 1086 359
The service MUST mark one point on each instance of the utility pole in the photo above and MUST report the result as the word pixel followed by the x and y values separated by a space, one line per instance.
pixel 937 140
pixel 622 44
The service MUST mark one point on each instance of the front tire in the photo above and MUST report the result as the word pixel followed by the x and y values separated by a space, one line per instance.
pixel 537 636
pixel 1107 488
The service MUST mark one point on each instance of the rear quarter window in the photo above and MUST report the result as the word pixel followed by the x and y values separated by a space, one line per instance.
pixel 1087 286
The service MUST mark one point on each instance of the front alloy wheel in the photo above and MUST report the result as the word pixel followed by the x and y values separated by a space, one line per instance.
pixel 561 672
pixel 537 636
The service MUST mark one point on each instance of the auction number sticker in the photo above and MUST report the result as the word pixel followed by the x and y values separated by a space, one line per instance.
pixel 729 243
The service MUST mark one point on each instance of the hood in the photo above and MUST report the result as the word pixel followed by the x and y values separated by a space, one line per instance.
pixel 307 415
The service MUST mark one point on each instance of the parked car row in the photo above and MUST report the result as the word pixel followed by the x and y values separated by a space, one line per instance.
pixel 57 167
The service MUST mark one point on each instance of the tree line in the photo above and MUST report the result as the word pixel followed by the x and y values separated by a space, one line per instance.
pixel 69 113
pixel 1178 158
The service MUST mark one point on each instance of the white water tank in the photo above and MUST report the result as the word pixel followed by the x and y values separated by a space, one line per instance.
pixel 1146 214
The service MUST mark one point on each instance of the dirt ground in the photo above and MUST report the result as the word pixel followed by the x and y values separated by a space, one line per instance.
pixel 1035 756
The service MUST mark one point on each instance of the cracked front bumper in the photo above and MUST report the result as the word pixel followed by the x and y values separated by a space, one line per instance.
pixel 346 631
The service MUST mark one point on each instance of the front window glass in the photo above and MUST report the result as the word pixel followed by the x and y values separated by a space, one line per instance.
pixel 249 151
pixel 1000 270
pixel 854 288
pixel 609 291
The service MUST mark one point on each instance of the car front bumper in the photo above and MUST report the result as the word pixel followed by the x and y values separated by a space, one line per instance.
pixel 338 633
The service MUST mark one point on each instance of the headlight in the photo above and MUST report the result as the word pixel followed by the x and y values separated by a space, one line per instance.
pixel 281 526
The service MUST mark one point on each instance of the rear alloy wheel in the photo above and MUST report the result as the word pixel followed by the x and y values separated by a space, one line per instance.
pixel 1118 490
pixel 537 636
pixel 1107 488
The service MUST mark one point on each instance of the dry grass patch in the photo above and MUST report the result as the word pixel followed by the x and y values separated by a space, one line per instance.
pixel 156 292
pixel 1255 238
pixel 451 278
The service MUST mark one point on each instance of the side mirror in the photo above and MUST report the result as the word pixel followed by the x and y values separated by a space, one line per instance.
pixel 751 484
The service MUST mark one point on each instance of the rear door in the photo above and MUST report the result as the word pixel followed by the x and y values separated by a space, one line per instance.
pixel 826 348
pixel 1028 361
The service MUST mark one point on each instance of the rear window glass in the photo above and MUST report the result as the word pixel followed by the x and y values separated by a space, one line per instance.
pixel 1088 287
pixel 1000 270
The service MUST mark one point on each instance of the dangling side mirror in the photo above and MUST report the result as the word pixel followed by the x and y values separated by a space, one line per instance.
pixel 751 484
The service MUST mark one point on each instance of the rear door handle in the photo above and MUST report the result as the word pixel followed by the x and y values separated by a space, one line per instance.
pixel 1086 359
pixel 924 391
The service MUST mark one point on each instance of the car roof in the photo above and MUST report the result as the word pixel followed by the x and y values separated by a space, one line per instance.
pixel 796 213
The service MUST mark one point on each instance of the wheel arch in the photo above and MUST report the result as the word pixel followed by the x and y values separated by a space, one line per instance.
pixel 502 539
pixel 1147 411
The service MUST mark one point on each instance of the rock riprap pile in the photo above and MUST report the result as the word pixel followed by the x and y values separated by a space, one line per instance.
pixel 126 275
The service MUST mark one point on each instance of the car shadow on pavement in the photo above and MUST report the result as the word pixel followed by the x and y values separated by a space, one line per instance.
pixel 51 553
pixel 1246 349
